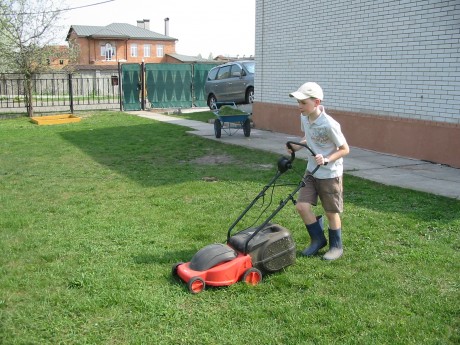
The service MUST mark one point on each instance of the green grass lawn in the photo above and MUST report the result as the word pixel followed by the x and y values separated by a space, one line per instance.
pixel 94 214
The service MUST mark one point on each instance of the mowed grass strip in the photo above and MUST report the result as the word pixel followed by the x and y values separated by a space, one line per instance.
pixel 94 214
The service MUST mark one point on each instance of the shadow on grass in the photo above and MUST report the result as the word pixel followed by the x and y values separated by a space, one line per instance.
pixel 154 154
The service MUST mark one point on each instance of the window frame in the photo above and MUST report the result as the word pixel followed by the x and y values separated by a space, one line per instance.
pixel 134 50
pixel 160 50
pixel 147 50
pixel 105 48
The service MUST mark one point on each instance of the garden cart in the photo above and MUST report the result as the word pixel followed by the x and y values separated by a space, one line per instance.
pixel 230 119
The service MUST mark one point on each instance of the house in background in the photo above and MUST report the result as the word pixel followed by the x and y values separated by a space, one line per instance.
pixel 179 58
pixel 119 42
pixel 57 57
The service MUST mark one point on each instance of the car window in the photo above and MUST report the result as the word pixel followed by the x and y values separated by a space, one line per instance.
pixel 236 70
pixel 250 66
pixel 212 74
pixel 224 72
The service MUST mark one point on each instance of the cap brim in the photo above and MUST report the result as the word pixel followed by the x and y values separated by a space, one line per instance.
pixel 298 95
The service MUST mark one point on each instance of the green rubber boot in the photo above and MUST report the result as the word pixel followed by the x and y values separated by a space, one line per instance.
pixel 335 245
pixel 318 240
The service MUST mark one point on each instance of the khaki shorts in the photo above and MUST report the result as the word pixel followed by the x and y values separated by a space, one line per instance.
pixel 330 192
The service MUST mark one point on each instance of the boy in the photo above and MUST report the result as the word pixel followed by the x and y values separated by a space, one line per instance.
pixel 324 136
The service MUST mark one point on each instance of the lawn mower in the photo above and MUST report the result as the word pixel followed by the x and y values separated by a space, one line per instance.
pixel 249 253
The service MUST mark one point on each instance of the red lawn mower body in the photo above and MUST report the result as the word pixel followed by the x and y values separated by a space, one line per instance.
pixel 223 274
pixel 245 257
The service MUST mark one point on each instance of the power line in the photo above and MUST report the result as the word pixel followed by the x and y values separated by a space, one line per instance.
pixel 78 7
pixel 59 10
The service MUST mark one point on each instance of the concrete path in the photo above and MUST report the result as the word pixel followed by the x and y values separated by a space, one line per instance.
pixel 379 167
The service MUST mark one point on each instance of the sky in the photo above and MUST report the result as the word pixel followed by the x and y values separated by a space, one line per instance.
pixel 216 27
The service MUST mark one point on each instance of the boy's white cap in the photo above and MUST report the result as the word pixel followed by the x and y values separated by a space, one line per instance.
pixel 308 90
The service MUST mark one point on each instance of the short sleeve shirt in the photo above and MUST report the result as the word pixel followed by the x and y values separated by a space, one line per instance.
pixel 324 136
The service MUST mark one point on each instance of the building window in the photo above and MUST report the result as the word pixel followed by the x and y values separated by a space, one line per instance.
pixel 160 50
pixel 146 50
pixel 108 52
pixel 133 50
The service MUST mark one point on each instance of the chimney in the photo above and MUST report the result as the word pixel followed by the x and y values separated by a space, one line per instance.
pixel 166 26
pixel 144 24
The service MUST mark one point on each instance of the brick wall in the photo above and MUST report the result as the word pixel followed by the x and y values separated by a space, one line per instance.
pixel 394 59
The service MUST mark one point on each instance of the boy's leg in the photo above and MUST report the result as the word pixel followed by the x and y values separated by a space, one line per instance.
pixel 306 212
pixel 332 200
pixel 308 197
pixel 335 237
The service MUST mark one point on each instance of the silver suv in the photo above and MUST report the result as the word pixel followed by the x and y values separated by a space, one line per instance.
pixel 231 82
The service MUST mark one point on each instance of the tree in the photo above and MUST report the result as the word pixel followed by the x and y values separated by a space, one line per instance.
pixel 27 29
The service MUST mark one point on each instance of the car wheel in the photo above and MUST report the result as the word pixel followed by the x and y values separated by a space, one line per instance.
pixel 252 276
pixel 196 285
pixel 247 127
pixel 217 128
pixel 212 102
pixel 249 95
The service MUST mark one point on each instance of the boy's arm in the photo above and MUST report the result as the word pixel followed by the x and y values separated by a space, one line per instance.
pixel 342 151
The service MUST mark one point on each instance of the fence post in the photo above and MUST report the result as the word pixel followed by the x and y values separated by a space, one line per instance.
pixel 70 93
pixel 120 86
pixel 143 85
pixel 192 85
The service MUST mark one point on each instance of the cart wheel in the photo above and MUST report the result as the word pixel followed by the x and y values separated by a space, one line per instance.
pixel 174 268
pixel 217 128
pixel 196 285
pixel 252 276
pixel 247 127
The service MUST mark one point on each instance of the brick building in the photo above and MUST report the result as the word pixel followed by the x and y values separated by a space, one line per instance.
pixel 390 71
pixel 107 45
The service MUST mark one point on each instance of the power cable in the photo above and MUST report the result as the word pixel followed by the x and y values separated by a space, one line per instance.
pixel 59 10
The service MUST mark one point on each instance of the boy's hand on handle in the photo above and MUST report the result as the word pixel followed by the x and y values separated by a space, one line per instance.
pixel 320 159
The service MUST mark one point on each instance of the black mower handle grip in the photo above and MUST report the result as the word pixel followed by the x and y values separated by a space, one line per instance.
pixel 289 145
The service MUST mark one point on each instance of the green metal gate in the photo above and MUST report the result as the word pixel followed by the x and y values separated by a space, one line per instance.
pixel 165 86
pixel 200 74
pixel 169 85
pixel 131 85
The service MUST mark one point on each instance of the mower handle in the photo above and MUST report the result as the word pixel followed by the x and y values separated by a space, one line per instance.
pixel 284 164
pixel 289 145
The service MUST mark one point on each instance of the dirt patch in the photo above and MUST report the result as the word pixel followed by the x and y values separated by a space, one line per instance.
pixel 214 160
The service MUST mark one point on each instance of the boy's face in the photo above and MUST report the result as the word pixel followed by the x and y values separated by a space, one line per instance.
pixel 308 106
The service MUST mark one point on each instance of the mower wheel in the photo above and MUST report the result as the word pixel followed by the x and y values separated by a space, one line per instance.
pixel 196 285
pixel 174 268
pixel 252 276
